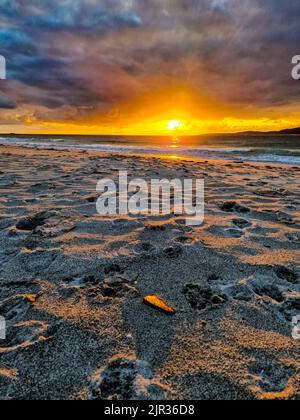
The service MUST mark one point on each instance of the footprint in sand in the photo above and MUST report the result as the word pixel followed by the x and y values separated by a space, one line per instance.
pixel 79 282
pixel 23 335
pixel 112 288
pixel 271 379
pixel 233 207
pixel 16 307
pixel 41 187
pixel 265 286
pixel 226 232
pixel 271 291
pixel 254 287
pixel 90 280
pixel 91 199
pixel 117 287
pixel 241 291
pixel 233 233
pixel 241 223
pixel 32 222
pixel 113 268
pixel 155 227
pixel 71 287
pixel 279 298
pixel 127 379
pixel 287 274
pixel 261 231
pixel 184 240
pixel 20 334
pixel 145 248
pixel 125 225
pixel 173 252
pixel 201 298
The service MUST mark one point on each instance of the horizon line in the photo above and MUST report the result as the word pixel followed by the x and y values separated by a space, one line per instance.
pixel 282 131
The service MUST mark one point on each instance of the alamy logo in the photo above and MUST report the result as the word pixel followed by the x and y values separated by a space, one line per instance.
pixel 2 68
pixel 156 198
pixel 296 327
pixel 296 68
pixel 2 328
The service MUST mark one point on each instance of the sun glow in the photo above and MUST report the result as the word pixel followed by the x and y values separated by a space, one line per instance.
pixel 174 125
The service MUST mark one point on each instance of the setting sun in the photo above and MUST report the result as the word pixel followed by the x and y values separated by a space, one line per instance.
pixel 174 125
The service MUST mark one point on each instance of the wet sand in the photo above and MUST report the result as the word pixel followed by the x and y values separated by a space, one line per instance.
pixel 73 282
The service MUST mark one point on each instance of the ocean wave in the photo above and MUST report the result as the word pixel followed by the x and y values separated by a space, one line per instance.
pixel 258 154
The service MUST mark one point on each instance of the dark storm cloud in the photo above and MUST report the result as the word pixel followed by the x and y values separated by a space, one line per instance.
pixel 88 53
pixel 68 15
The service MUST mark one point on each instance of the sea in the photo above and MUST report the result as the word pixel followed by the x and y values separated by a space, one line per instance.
pixel 284 149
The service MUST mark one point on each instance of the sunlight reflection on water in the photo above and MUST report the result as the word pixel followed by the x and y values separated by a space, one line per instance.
pixel 175 143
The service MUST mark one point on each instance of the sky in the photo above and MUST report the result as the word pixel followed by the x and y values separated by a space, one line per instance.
pixel 132 66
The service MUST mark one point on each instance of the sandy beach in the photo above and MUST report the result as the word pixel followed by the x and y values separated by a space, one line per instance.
pixel 73 282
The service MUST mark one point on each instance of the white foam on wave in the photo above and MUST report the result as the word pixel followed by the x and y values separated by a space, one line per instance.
pixel 290 160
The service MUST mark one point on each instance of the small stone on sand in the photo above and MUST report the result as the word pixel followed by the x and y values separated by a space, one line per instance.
pixel 159 304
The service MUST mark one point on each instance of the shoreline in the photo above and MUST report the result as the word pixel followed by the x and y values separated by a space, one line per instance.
pixel 171 157
pixel 265 155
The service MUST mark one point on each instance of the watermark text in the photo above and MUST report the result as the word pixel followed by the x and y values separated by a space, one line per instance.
pixel 158 197
pixel 2 328
pixel 2 68
pixel 296 68
pixel 296 327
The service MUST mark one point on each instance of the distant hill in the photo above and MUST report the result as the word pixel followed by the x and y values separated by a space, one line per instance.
pixel 290 131
pixel 294 131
